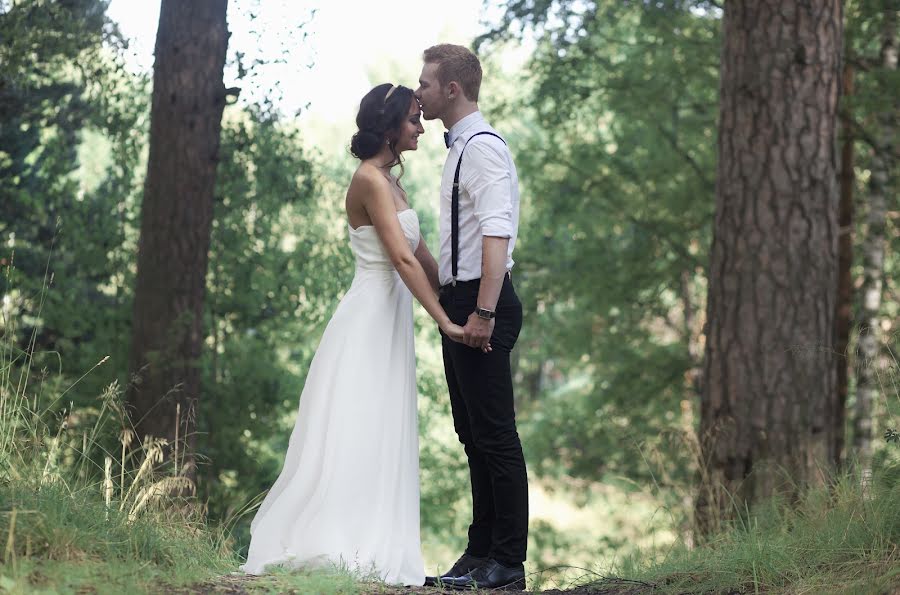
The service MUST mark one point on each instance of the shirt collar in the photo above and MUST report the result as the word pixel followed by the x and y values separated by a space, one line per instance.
pixel 457 129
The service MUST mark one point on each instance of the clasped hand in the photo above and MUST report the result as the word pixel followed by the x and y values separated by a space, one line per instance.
pixel 476 334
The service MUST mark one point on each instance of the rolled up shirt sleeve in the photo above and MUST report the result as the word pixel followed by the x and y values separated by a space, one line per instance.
pixel 486 178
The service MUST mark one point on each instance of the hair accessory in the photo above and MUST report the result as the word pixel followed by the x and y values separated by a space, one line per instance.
pixel 392 89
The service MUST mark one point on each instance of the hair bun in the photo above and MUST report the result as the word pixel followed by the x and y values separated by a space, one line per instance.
pixel 382 112
pixel 365 144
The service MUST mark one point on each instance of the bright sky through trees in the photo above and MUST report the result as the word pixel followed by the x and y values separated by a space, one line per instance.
pixel 346 39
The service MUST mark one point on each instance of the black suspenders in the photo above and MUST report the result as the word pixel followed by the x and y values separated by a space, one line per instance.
pixel 454 207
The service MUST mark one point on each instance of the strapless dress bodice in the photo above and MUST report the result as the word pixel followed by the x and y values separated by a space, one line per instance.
pixel 370 252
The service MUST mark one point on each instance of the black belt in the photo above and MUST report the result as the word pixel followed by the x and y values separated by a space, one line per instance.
pixel 451 285
pixel 454 209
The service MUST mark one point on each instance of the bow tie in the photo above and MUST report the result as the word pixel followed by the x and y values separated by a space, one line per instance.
pixel 447 139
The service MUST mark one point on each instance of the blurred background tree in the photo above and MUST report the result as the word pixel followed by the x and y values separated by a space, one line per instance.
pixel 167 331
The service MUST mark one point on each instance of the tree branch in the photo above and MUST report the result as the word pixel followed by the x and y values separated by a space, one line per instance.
pixel 673 141
pixel 860 132
pixel 863 63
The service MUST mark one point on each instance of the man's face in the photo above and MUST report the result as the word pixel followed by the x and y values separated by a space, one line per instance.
pixel 431 96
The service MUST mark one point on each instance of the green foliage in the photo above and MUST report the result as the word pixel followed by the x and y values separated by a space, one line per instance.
pixel 72 136
pixel 616 154
pixel 872 112
pixel 875 86
pixel 874 90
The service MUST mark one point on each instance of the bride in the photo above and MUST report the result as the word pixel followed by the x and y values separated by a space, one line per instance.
pixel 348 494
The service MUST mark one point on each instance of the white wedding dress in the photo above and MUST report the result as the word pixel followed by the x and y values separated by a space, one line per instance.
pixel 348 494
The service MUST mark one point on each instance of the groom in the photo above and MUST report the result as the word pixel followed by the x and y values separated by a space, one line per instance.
pixel 479 220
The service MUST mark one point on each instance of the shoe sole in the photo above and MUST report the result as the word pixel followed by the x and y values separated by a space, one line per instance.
pixel 516 585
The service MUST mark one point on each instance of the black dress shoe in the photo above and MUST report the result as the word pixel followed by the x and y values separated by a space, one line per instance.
pixel 466 564
pixel 491 575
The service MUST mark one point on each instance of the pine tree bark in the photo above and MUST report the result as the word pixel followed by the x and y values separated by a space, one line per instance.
pixel 768 393
pixel 176 218
pixel 880 183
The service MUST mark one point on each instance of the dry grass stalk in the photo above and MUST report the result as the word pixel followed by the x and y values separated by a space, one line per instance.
pixel 159 490
pixel 10 553
pixel 177 422
pixel 107 482
pixel 153 454
pixel 125 438
pixel 54 448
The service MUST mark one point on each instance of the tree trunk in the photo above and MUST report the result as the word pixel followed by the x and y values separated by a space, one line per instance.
pixel 768 393
pixel 176 217
pixel 844 312
pixel 873 263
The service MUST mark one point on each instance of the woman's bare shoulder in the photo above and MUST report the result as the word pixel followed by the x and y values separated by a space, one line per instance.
pixel 366 185
pixel 367 176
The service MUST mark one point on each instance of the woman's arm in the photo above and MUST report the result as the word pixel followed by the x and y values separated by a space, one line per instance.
pixel 429 264
pixel 380 207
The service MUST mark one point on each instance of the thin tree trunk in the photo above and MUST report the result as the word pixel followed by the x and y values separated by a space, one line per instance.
pixel 176 217
pixel 873 264
pixel 844 314
pixel 768 392
pixel 694 374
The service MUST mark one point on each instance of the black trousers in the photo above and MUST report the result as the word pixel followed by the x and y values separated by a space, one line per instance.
pixel 481 399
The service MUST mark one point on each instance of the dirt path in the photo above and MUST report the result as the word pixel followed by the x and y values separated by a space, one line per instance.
pixel 241 585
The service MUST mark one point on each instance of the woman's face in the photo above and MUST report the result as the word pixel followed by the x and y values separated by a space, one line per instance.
pixel 410 129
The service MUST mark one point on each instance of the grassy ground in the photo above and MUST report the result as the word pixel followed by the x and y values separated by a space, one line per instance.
pixel 63 541
pixel 835 541
pixel 59 538
pixel 81 513
pixel 62 532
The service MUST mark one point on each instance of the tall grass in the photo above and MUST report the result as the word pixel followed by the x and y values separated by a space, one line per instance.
pixel 78 500
pixel 843 537
pixel 837 539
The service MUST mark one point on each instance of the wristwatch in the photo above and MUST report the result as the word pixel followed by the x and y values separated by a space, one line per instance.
pixel 484 313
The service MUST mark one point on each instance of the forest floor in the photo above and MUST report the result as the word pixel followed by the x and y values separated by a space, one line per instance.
pixel 240 585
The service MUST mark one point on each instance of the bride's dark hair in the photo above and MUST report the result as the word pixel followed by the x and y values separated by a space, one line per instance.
pixel 381 112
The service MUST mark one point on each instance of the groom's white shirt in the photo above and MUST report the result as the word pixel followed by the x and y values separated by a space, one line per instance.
pixel 488 197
